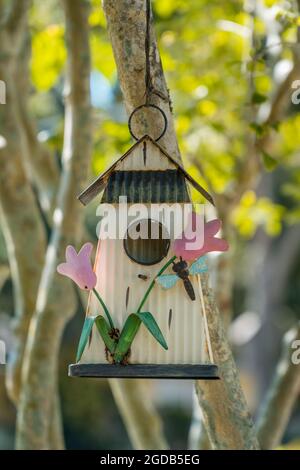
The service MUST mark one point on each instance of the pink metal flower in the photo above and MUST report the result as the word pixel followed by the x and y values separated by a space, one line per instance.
pixel 204 242
pixel 78 266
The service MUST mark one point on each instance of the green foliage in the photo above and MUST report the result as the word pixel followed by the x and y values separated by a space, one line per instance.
pixel 48 57
pixel 102 56
pixel 269 162
pixel 258 98
pixel 256 212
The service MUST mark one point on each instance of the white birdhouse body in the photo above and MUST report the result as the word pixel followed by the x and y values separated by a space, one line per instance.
pixel 125 266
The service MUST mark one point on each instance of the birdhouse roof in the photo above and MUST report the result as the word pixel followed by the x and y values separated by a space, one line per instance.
pixel 115 175
pixel 146 186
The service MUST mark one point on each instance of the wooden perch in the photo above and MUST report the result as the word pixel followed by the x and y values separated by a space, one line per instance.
pixel 281 398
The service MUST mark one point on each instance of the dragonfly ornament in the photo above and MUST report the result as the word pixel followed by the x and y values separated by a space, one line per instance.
pixel 183 271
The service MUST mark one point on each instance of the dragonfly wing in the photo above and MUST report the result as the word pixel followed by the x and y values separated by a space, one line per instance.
pixel 167 280
pixel 199 266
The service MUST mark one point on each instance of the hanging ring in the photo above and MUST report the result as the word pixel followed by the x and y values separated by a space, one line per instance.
pixel 148 106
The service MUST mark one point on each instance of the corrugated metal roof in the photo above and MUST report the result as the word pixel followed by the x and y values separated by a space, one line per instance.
pixel 99 184
pixel 146 186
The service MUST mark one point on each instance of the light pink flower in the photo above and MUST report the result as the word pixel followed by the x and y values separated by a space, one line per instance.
pixel 210 242
pixel 78 266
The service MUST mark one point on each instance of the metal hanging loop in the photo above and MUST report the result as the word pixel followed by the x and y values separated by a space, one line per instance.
pixel 148 82
pixel 147 105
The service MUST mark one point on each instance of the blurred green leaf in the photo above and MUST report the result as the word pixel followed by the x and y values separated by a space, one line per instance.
pixel 258 129
pixel 270 163
pixel 48 56
pixel 254 212
pixel 258 98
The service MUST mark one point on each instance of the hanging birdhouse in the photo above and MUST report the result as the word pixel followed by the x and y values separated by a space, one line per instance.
pixel 146 313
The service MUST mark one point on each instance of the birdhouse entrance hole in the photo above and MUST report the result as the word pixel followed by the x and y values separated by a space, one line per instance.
pixel 147 242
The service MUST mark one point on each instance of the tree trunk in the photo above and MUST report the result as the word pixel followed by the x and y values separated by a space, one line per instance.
pixel 22 225
pixel 143 424
pixel 56 301
pixel 225 412
pixel 280 400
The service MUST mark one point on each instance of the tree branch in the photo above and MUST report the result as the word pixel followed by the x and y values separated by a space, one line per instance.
pixel 126 26
pixel 56 301
pixel 252 166
pixel 223 404
pixel 22 226
pixel 41 165
pixel 280 400
pixel 142 423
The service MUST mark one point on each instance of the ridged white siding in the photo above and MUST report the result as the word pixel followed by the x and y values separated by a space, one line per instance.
pixel 155 160
pixel 185 336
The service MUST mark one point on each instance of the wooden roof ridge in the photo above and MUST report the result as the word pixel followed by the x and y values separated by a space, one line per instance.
pixel 88 194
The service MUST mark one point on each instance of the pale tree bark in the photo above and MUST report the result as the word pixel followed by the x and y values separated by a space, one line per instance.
pixel 281 398
pixel 228 425
pixel 224 409
pixel 248 175
pixel 21 219
pixel 21 222
pixel 39 162
pixel 142 423
pixel 41 166
pixel 56 300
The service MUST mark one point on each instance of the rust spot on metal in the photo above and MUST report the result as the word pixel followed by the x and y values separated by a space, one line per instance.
pixel 127 296
pixel 145 152
pixel 90 337
pixel 170 318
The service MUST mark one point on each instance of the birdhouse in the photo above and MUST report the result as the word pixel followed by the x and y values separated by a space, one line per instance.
pixel 156 325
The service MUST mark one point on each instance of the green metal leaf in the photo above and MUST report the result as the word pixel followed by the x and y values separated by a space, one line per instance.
pixel 258 98
pixel 85 334
pixel 127 336
pixel 104 329
pixel 270 163
pixel 150 323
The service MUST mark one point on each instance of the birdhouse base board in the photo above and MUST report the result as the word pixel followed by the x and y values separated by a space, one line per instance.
pixel 146 371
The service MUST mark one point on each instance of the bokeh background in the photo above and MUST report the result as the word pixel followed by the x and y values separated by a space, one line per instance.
pixel 224 63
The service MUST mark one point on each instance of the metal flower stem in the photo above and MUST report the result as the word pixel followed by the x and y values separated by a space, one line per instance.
pixel 153 283
pixel 104 308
